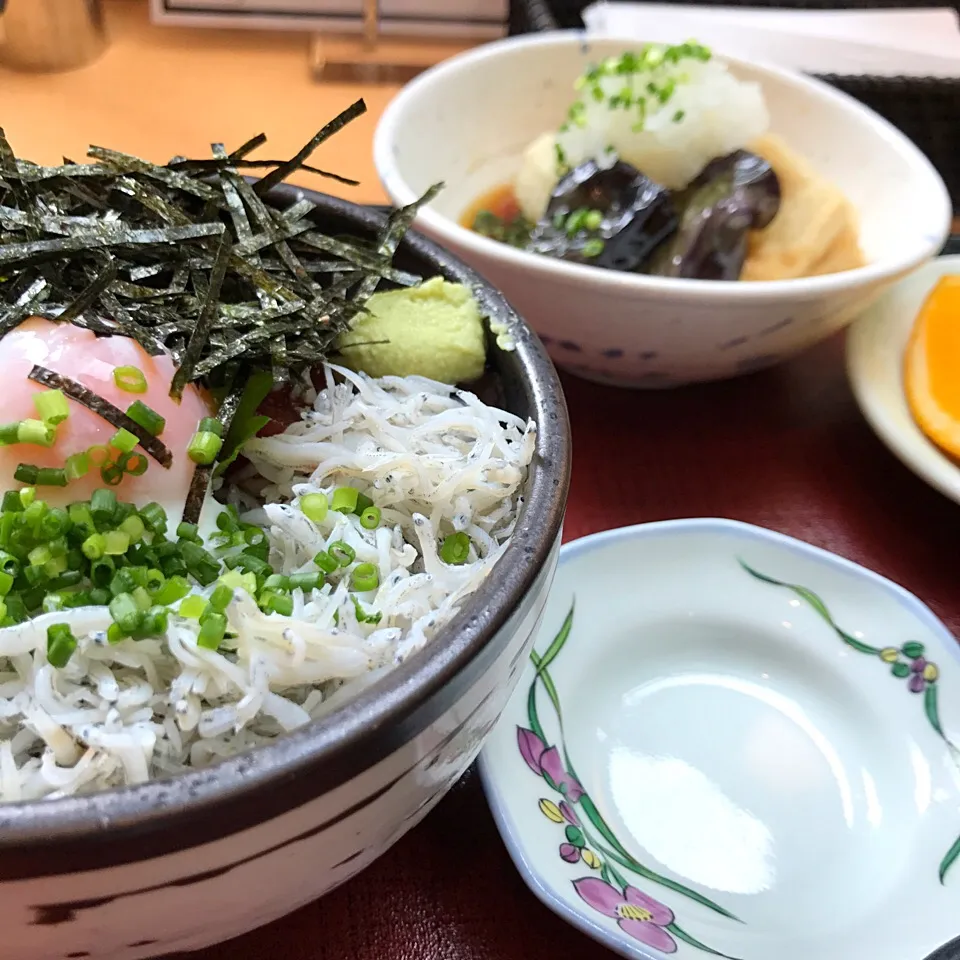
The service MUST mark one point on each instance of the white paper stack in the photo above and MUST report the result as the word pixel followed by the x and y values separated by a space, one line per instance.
pixel 888 42
pixel 467 19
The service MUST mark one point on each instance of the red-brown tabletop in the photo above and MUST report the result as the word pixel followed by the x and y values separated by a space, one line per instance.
pixel 785 449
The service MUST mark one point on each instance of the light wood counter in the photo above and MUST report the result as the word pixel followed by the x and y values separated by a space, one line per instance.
pixel 161 91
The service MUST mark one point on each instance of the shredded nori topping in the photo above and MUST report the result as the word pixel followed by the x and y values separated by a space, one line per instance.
pixel 188 258
pixel 103 408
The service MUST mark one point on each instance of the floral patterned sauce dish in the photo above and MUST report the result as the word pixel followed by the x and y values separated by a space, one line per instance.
pixel 730 743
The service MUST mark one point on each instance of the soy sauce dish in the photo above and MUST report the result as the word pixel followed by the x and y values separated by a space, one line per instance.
pixel 282 495
pixel 661 214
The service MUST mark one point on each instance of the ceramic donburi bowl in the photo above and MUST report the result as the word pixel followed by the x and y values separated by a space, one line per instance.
pixel 178 864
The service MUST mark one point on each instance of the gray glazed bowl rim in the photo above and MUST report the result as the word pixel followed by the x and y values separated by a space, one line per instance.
pixel 341 740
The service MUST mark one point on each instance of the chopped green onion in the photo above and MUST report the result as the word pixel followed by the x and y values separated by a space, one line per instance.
pixel 133 527
pixel 77 466
pixel 593 248
pixel 235 580
pixel 26 473
pixel 345 499
pixel 130 379
pixel 135 464
pixel 342 552
pixel 210 425
pixel 325 562
pixel 227 521
pixel 271 602
pixel 192 607
pixel 51 406
pixel 365 576
pixel 155 517
pixel 370 518
pixel 101 571
pixel 36 431
pixel 362 615
pixel 126 613
pixel 142 598
pixel 94 546
pixel 188 531
pixel 27 496
pixel 39 555
pixel 146 417
pixel 204 447
pixel 593 219
pixel 455 549
pixel 203 567
pixel 277 581
pixel 212 631
pixel 103 505
pixel 314 506
pixel 11 502
pixel 173 589
pixel 60 644
pixel 124 441
pixel 154 623
pixel 114 634
pixel 6 582
pixel 9 433
pixel 99 597
pixel 98 454
pixel 9 563
pixel 80 516
pixel 154 580
pixel 51 477
pixel 115 543
pixel 221 597
pixel 304 581
pixel 111 474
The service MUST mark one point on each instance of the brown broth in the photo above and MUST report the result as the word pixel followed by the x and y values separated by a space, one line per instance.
pixel 500 201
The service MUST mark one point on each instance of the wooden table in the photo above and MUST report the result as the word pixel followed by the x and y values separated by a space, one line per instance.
pixel 786 449
pixel 162 91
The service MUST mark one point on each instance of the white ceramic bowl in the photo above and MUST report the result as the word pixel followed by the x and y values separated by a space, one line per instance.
pixel 730 742
pixel 467 121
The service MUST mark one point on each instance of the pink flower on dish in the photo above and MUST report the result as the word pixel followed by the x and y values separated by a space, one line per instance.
pixel 545 762
pixel 642 917
pixel 569 852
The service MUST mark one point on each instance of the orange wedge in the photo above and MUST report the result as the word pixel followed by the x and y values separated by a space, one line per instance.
pixel 932 366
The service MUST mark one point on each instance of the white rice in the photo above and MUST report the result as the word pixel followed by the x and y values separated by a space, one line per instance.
pixel 433 458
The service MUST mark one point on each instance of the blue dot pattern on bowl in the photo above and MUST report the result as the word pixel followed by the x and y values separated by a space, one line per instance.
pixel 735 342
pixel 569 345
pixel 614 353
pixel 648 355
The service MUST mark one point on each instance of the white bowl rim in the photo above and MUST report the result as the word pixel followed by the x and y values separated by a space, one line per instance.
pixel 765 291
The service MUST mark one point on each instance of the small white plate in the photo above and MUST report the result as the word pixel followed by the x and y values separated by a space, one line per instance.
pixel 728 742
pixel 875 349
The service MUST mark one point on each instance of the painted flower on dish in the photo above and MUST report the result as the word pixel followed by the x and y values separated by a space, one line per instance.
pixel 638 915
pixel 920 671
pixel 546 762
pixel 906 663
pixel 569 853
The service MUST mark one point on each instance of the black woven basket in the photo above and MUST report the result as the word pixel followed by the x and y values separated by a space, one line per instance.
pixel 926 109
